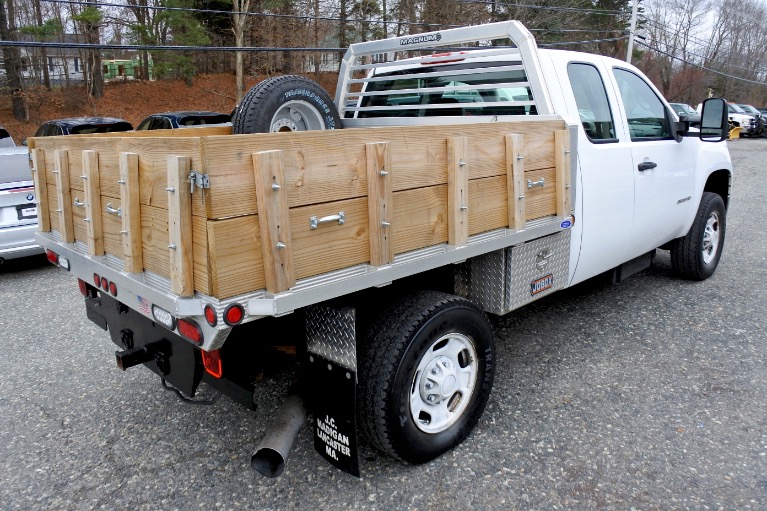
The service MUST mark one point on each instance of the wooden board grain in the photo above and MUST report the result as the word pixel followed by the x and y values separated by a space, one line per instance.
pixel 314 174
pixel 94 224
pixel 39 172
pixel 180 227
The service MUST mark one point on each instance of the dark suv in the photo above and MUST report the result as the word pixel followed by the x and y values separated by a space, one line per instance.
pixel 186 119
pixel 82 126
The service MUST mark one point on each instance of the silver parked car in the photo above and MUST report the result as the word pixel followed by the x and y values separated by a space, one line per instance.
pixel 18 208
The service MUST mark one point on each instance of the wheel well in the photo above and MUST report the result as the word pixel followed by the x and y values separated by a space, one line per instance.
pixel 719 183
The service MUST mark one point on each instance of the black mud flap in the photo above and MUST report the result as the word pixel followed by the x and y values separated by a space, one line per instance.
pixel 333 402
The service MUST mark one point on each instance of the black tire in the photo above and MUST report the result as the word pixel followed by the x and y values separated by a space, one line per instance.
pixel 285 103
pixel 696 255
pixel 398 359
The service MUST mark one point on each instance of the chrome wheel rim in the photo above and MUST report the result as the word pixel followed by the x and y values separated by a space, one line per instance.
pixel 444 383
pixel 711 238
pixel 296 116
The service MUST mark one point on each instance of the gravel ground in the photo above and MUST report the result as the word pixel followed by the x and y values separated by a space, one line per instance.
pixel 646 395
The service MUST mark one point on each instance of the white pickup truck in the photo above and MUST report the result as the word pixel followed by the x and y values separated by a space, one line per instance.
pixel 475 180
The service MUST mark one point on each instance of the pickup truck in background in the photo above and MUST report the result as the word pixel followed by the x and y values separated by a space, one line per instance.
pixel 464 182
pixel 18 208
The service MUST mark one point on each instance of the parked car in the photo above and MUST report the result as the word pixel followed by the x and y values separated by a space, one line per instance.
pixel 82 126
pixel 184 119
pixel 5 138
pixel 760 128
pixel 686 110
pixel 18 209
pixel 740 117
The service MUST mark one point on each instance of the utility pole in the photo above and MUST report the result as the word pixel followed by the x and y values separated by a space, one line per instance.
pixel 632 30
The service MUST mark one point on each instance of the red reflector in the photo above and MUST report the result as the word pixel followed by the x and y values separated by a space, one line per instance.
pixel 234 314
pixel 104 284
pixel 53 257
pixel 83 287
pixel 190 330
pixel 212 362
pixel 113 288
pixel 210 315
pixel 97 279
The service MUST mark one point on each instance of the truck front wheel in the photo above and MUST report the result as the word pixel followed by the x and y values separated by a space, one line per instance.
pixel 696 255
pixel 425 376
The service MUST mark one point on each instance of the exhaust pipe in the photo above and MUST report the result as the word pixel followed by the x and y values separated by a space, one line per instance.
pixel 269 459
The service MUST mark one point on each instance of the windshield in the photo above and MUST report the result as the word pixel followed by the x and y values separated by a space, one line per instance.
pixel 735 108
pixel 749 109
pixel 682 108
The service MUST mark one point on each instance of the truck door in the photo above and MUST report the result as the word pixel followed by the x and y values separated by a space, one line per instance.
pixel 606 188
pixel 663 169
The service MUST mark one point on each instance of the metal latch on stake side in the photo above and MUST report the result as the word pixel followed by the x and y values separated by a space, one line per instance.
pixel 199 180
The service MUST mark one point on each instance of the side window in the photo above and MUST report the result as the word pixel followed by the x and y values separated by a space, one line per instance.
pixel 647 117
pixel 591 100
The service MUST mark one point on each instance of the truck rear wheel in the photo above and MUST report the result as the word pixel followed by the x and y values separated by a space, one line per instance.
pixel 696 255
pixel 285 103
pixel 425 376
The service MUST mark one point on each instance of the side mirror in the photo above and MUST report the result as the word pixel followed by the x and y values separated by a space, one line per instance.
pixel 713 120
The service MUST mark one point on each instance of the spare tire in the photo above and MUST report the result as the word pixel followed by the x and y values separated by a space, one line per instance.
pixel 285 103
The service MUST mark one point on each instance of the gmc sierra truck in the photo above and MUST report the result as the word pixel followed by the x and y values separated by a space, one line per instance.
pixel 473 175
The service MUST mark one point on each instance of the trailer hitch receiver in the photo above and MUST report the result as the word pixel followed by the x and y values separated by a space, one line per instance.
pixel 158 351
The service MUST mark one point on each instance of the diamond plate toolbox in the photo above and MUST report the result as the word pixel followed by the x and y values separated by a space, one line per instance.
pixel 536 269
pixel 506 279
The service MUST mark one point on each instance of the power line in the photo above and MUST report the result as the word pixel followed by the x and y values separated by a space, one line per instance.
pixel 705 58
pixel 260 14
pixel 658 50
pixel 149 47
pixel 604 12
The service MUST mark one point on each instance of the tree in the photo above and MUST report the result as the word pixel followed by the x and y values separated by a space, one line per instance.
pixel 12 62
pixel 90 19
pixel 239 24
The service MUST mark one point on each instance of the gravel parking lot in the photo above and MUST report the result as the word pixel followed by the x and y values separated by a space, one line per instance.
pixel 646 395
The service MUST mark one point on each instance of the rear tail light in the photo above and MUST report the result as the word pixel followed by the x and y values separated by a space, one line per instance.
pixel 113 289
pixel 104 284
pixel 212 362
pixel 97 280
pixel 56 259
pixel 234 314
pixel 210 315
pixel 83 287
pixel 190 330
pixel 53 257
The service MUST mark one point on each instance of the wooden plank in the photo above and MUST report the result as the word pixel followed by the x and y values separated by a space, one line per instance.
pixel 180 226
pixel 562 164
pixel 379 202
pixel 541 200
pixel 515 167
pixel 236 260
pixel 420 218
pixel 488 205
pixel 342 245
pixel 63 188
pixel 315 174
pixel 131 213
pixel 41 190
pixel 94 225
pixel 457 191
pixel 274 220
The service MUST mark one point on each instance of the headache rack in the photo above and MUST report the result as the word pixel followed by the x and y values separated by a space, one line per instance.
pixel 471 76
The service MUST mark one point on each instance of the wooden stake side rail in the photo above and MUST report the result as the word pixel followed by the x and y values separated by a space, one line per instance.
pixel 283 207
